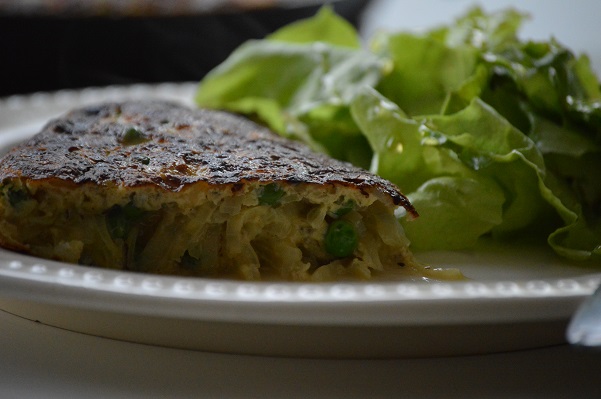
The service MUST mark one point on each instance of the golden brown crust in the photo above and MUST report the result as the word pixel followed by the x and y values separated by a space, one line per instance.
pixel 164 144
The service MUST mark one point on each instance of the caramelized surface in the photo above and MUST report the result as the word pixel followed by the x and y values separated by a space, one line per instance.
pixel 159 143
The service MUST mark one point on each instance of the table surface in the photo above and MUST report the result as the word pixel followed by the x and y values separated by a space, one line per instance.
pixel 37 360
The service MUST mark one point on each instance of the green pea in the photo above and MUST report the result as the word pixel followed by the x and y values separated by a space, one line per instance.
pixel 341 239
pixel 17 196
pixel 120 219
pixel 133 136
pixel 271 194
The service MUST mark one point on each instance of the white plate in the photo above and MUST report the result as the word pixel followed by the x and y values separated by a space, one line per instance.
pixel 517 297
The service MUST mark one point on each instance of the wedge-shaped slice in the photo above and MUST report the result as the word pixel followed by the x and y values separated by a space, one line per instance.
pixel 157 187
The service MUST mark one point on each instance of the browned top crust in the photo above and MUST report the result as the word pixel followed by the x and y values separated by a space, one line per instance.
pixel 168 145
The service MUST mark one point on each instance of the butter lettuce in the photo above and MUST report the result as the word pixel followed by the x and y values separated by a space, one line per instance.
pixel 487 134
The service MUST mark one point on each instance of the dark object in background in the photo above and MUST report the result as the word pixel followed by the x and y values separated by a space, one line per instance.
pixel 45 53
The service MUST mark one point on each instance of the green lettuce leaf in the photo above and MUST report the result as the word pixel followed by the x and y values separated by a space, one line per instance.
pixel 487 134
pixel 424 72
pixel 549 98
pixel 325 27
pixel 497 171
pixel 456 204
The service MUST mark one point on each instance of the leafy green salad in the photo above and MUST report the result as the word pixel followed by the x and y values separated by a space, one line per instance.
pixel 487 134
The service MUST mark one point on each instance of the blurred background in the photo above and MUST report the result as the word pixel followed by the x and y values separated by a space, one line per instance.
pixel 48 45
pixel 57 44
